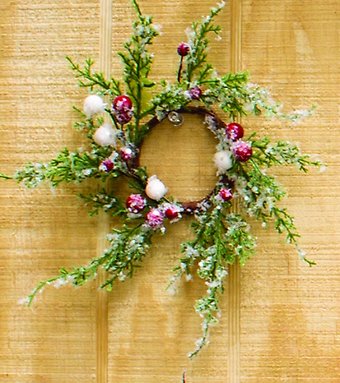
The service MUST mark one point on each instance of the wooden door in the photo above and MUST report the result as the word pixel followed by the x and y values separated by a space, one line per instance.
pixel 280 317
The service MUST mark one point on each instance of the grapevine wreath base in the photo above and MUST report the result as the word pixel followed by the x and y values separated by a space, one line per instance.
pixel 116 130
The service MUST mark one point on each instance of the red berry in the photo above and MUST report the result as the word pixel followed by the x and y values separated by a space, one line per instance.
pixel 106 165
pixel 183 49
pixel 124 116
pixel 122 103
pixel 242 151
pixel 234 131
pixel 225 194
pixel 171 213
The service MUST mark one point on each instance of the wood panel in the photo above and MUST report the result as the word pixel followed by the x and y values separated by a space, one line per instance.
pixel 289 311
pixel 42 230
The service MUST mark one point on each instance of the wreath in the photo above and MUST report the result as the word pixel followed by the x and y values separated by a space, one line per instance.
pixel 116 130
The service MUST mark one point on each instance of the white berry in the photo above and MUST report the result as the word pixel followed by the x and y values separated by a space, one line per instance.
pixel 93 104
pixel 223 161
pixel 155 189
pixel 105 135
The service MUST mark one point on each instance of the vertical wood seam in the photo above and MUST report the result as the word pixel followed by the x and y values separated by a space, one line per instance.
pixel 105 43
pixel 234 281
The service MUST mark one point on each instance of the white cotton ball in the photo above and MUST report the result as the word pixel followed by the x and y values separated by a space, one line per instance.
pixel 93 104
pixel 155 189
pixel 223 161
pixel 105 135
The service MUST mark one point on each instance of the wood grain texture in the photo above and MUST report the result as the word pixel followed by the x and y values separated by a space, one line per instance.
pixel 234 277
pixel 289 314
pixel 105 63
pixel 43 230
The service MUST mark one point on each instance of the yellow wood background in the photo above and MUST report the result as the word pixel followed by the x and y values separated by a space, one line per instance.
pixel 280 317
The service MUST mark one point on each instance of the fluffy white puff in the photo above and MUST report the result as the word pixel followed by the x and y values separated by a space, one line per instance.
pixel 155 189
pixel 223 161
pixel 105 135
pixel 93 104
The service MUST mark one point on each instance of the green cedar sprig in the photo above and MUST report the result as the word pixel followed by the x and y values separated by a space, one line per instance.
pixel 221 238
pixel 94 80
pixel 197 68
pixel 137 62
pixel 5 177
pixel 127 248
pixel 261 101
pixel 229 92
pixel 171 97
pixel 281 153
pixel 103 200
pixel 260 192
pixel 85 124
pixel 65 168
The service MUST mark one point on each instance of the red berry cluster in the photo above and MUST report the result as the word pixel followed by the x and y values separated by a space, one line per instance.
pixel 122 109
pixel 242 150
pixel 155 216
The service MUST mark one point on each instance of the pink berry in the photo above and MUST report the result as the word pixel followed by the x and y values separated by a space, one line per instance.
pixel 225 194
pixel 195 93
pixel 234 131
pixel 122 103
pixel 183 49
pixel 106 165
pixel 126 153
pixel 135 203
pixel 154 218
pixel 242 151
